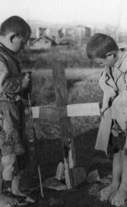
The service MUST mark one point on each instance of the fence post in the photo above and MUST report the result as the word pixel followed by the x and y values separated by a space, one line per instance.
pixel 58 70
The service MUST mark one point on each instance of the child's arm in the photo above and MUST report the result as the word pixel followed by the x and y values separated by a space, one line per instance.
pixel 11 85
pixel 109 93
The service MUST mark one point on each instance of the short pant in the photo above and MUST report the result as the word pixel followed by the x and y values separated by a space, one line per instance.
pixel 117 138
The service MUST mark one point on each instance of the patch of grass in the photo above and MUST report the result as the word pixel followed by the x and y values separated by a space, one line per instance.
pixel 43 91
pixel 71 55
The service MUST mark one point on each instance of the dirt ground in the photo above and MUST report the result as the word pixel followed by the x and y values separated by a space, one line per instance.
pixel 50 153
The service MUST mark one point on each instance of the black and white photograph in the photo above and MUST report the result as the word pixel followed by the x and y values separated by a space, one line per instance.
pixel 63 103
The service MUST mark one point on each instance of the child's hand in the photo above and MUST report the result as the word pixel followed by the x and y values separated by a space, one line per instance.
pixel 26 81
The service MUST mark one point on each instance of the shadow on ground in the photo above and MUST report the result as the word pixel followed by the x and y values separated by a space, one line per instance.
pixel 50 152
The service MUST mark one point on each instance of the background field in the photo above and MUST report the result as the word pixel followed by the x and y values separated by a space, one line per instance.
pixel 73 55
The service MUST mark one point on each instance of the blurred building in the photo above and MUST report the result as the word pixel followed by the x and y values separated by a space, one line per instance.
pixel 79 34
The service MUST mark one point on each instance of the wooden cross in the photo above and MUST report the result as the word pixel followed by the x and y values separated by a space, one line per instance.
pixel 63 112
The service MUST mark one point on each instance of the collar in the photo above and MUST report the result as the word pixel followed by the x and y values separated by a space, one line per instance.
pixel 7 49
pixel 11 54
pixel 120 60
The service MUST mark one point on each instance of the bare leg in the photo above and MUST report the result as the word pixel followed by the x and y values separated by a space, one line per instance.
pixel 117 170
pixel 15 186
pixel 15 189
pixel 121 195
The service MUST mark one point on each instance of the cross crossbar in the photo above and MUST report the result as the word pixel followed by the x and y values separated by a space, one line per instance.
pixel 72 110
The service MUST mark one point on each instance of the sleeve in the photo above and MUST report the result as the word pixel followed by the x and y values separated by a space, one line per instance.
pixel 10 85
pixel 124 69
pixel 108 92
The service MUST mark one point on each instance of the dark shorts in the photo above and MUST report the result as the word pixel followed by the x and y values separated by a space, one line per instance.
pixel 117 142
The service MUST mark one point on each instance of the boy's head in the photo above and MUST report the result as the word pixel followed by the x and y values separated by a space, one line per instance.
pixel 15 32
pixel 102 49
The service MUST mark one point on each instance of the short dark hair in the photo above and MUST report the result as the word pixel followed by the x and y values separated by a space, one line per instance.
pixel 99 45
pixel 15 24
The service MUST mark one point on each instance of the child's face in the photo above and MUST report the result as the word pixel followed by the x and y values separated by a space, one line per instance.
pixel 110 60
pixel 18 43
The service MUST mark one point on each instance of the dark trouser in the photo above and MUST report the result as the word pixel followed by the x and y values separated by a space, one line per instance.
pixel 117 143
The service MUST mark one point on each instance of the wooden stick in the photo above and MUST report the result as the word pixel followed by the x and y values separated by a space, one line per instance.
pixel 36 148
pixel 65 122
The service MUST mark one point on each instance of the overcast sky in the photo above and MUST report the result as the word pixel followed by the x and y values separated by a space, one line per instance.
pixel 65 11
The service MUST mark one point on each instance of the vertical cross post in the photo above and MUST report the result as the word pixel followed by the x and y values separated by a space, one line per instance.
pixel 58 70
